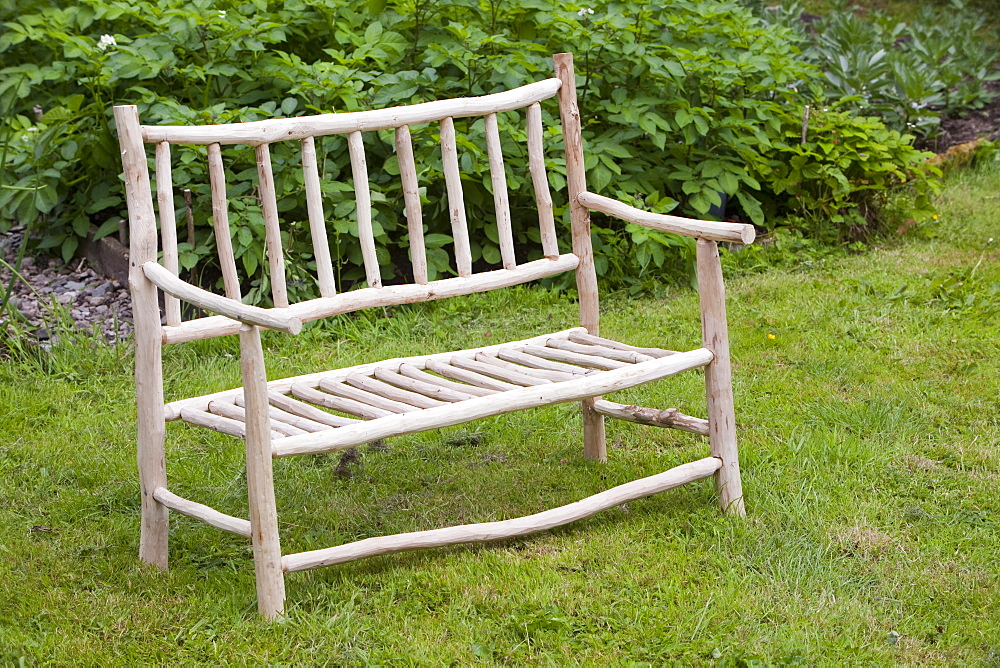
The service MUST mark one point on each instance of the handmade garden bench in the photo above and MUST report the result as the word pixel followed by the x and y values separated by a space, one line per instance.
pixel 338 409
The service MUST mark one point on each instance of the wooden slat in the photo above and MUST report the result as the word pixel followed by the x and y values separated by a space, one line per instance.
pixel 411 371
pixel 471 377
pixel 362 192
pixel 553 376
pixel 583 337
pixel 670 417
pixel 289 405
pixel 341 389
pixel 272 231
pixel 573 358
pixel 521 526
pixel 521 357
pixel 411 199
pixel 200 511
pixel 220 222
pixel 501 200
pixel 279 416
pixel 421 387
pixel 350 406
pixel 456 199
pixel 234 412
pixel 392 392
pixel 628 356
pixel 317 220
pixel 168 226
pixel 540 181
pixel 500 373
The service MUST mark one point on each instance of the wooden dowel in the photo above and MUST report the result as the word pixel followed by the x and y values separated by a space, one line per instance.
pixel 307 411
pixel 261 132
pixel 670 417
pixel 363 195
pixel 272 231
pixel 521 357
pixel 521 526
pixel 501 200
pixel 702 229
pixel 349 406
pixel 220 221
pixel 456 199
pixel 341 389
pixel 391 392
pixel 411 371
pixel 168 226
pixel 719 378
pixel 234 412
pixel 471 377
pixel 317 219
pixel 223 425
pixel 519 398
pixel 203 328
pixel 553 376
pixel 206 514
pixel 557 355
pixel 411 199
pixel 628 356
pixel 279 417
pixel 540 181
pixel 500 373
pixel 421 387
pixel 583 337
pixel 209 301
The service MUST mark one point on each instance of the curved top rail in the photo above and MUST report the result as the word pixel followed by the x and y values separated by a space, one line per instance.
pixel 279 129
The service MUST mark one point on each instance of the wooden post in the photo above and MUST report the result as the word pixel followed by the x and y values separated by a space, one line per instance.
pixel 719 378
pixel 260 479
pixel 148 342
pixel 594 439
pixel 168 226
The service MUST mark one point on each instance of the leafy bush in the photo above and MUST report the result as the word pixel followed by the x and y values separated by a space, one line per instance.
pixel 712 88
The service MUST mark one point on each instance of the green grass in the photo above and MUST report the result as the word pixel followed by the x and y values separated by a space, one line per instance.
pixel 868 428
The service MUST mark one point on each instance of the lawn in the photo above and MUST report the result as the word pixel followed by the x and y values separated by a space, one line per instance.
pixel 868 397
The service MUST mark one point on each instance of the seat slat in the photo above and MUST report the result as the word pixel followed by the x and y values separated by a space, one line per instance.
pixel 308 411
pixel 278 415
pixel 234 412
pixel 521 357
pixel 223 425
pixel 343 390
pixel 554 376
pixel 471 377
pixel 557 355
pixel 413 372
pixel 498 372
pixel 272 232
pixel 629 356
pixel 583 337
pixel 314 396
pixel 391 392
pixel 423 387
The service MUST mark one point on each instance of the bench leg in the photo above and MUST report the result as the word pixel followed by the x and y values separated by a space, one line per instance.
pixel 594 438
pixel 260 478
pixel 719 378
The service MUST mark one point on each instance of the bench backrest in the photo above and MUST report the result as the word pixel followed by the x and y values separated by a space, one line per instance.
pixel 304 131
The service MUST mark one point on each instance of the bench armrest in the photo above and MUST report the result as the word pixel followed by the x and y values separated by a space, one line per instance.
pixel 251 315
pixel 702 229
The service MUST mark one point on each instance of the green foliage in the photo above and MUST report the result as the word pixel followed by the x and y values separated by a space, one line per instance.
pixel 681 108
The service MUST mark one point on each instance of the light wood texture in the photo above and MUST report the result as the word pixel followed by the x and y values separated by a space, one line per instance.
pixel 337 403
pixel 601 351
pixel 236 412
pixel 220 222
pixel 363 195
pixel 718 378
pixel 590 361
pixel 670 417
pixel 499 372
pixel 168 226
pixel 552 376
pixel 272 230
pixel 392 392
pixel 477 379
pixel 148 349
pixel 521 357
pixel 413 372
pixel 209 301
pixel 317 219
pixel 199 511
pixel 540 181
pixel 421 387
pixel 589 339
pixel 702 229
pixel 341 389
pixel 260 479
pixel 411 200
pixel 501 199
pixel 267 131
pixel 594 437
pixel 307 411
pixel 521 526
pixel 355 300
pixel 456 198
pixel 519 398
pixel 280 417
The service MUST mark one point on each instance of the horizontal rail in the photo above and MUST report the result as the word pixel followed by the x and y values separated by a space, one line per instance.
pixel 521 526
pixel 277 129
pixel 497 404
pixel 209 301
pixel 670 417
pixel 740 233
pixel 390 295
pixel 199 511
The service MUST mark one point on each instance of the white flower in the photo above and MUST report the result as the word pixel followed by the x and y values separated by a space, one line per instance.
pixel 106 41
pixel 585 11
pixel 222 13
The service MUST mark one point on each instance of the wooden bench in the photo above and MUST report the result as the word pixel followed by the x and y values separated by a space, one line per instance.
pixel 338 409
